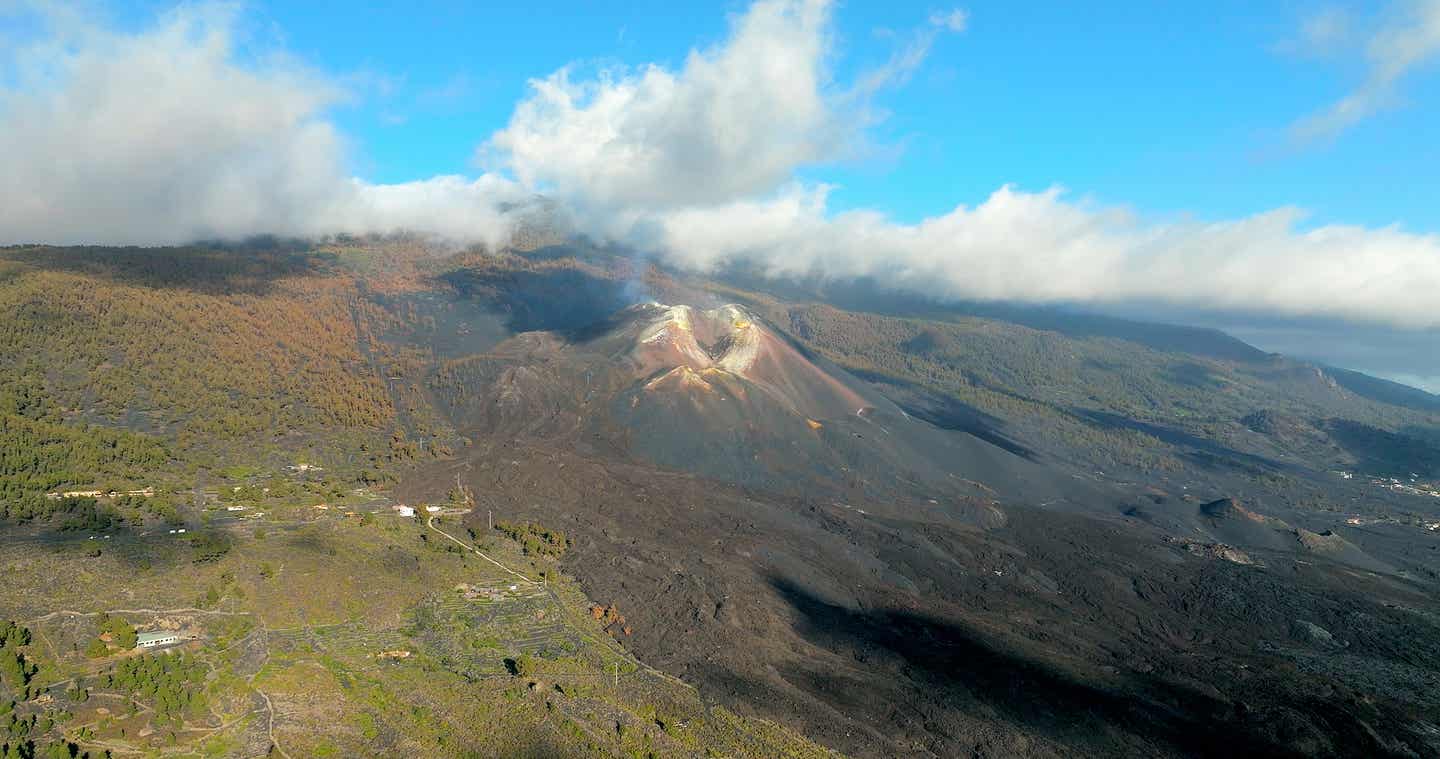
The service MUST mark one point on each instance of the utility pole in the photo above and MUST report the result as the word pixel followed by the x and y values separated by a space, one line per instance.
pixel 616 665
pixel 490 519
pixel 467 497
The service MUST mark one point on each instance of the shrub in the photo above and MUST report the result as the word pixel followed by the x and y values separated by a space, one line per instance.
pixel 97 649
pixel 535 539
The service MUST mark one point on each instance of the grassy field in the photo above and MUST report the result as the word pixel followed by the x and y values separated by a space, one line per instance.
pixel 342 637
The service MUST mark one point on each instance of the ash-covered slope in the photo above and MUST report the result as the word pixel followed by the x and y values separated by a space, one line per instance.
pixel 682 347
pixel 721 393
pixel 849 563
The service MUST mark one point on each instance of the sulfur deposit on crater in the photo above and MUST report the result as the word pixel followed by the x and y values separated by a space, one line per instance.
pixel 685 348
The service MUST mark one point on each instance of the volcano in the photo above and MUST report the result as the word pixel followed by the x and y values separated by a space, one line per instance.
pixel 682 347
pixel 796 503
pixel 721 393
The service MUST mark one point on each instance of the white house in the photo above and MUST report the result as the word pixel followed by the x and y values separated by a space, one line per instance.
pixel 405 511
pixel 156 639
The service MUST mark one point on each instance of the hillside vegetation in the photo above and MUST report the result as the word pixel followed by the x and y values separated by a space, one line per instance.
pixel 122 364
pixel 218 440
pixel 1116 403
pixel 119 365
pixel 416 647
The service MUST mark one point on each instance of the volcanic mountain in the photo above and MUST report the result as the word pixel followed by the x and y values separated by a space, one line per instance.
pixel 899 527
pixel 727 348
pixel 721 393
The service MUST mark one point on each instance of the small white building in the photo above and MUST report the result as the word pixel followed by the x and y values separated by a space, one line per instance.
pixel 405 511
pixel 77 494
pixel 434 509
pixel 156 639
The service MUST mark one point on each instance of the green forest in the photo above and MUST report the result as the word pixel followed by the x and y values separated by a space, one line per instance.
pixel 121 366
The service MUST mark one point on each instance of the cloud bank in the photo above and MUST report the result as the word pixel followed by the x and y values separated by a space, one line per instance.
pixel 176 133
pixel 1039 247
pixel 168 137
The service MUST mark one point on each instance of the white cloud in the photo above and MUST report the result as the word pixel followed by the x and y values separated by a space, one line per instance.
pixel 956 20
pixel 1039 247
pixel 736 119
pixel 699 165
pixel 1410 38
pixel 181 132
pixel 165 136
pixel 903 61
pixel 1323 33
pixel 623 147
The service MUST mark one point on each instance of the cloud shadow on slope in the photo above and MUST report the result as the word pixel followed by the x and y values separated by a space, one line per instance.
pixel 566 300
pixel 251 268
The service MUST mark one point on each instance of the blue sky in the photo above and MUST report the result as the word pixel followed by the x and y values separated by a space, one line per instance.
pixel 1166 108
pixel 1236 163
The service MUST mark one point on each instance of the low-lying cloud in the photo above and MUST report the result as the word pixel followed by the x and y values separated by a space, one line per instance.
pixel 1041 247
pixel 173 134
